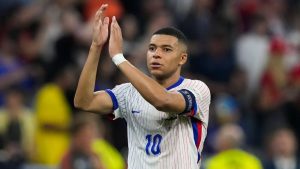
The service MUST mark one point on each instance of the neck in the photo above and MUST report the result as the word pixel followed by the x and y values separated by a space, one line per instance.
pixel 167 82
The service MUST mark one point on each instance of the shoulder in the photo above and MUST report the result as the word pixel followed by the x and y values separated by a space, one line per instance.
pixel 195 84
pixel 123 87
pixel 198 88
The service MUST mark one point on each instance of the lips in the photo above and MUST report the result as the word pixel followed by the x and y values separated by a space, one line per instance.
pixel 155 65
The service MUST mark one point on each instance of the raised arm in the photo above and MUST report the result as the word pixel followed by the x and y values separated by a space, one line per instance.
pixel 85 97
pixel 153 92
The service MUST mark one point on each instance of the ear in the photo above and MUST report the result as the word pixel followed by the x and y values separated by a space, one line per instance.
pixel 183 58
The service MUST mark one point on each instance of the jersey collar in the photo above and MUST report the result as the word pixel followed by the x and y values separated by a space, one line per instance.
pixel 179 81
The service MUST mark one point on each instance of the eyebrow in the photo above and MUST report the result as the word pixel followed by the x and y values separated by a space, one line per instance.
pixel 164 45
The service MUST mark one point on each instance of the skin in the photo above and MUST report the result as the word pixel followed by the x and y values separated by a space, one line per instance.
pixel 165 57
pixel 169 53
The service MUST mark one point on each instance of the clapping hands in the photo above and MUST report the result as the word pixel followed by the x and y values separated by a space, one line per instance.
pixel 100 32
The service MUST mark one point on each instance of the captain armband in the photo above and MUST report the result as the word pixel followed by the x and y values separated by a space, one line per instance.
pixel 189 98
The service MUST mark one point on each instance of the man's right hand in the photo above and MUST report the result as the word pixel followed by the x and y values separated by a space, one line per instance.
pixel 85 97
pixel 100 28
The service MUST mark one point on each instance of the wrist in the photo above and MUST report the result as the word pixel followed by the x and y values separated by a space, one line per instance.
pixel 118 59
pixel 94 45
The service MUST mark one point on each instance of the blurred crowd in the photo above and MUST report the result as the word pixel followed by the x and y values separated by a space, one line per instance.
pixel 246 51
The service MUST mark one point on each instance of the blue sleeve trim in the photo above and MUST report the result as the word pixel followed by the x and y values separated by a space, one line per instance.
pixel 195 108
pixel 113 98
pixel 190 100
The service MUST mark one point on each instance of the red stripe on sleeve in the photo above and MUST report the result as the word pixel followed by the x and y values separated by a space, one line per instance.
pixel 199 127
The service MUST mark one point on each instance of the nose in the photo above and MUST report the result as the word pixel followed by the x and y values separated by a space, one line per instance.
pixel 157 54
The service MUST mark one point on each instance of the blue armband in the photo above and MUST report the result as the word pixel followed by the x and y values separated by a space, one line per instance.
pixel 189 98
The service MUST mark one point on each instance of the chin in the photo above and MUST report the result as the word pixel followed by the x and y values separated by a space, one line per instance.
pixel 157 74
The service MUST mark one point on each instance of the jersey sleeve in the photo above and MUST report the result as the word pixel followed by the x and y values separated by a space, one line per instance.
pixel 198 97
pixel 119 97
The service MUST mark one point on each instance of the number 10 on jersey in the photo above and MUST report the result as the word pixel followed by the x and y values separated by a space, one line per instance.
pixel 153 144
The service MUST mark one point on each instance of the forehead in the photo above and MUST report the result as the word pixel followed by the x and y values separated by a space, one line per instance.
pixel 164 40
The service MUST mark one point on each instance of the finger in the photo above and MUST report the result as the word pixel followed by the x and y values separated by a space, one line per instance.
pixel 103 7
pixel 113 23
pixel 98 23
pixel 111 31
pixel 100 11
pixel 97 18
pixel 105 23
pixel 106 20
pixel 116 22
pixel 117 27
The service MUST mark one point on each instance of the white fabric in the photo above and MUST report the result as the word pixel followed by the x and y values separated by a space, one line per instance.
pixel 178 148
pixel 285 163
pixel 118 59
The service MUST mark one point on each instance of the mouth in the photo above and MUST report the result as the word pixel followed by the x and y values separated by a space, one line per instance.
pixel 155 65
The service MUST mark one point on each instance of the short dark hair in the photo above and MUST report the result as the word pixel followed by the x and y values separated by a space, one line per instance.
pixel 172 32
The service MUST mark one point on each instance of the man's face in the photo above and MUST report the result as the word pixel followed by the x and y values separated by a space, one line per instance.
pixel 165 55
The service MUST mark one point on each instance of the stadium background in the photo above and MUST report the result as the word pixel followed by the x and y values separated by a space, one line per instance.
pixel 247 51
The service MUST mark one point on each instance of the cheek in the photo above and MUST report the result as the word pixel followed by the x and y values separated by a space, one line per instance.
pixel 149 56
pixel 172 65
pixel 174 61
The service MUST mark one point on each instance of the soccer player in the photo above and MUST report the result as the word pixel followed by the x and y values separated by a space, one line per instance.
pixel 166 115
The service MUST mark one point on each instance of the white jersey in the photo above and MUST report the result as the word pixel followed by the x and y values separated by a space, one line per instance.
pixel 157 140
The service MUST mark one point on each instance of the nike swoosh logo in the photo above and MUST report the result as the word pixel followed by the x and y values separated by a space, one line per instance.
pixel 134 111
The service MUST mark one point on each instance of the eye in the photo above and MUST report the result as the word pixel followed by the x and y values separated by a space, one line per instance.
pixel 167 49
pixel 151 48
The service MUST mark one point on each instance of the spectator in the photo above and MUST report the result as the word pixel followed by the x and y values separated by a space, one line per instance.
pixel 12 70
pixel 272 91
pixel 252 52
pixel 228 142
pixel 292 104
pixel 282 146
pixel 53 115
pixel 217 63
pixel 88 149
pixel 80 154
pixel 274 79
pixel 17 128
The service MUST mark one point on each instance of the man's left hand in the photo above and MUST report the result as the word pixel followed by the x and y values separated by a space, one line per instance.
pixel 115 40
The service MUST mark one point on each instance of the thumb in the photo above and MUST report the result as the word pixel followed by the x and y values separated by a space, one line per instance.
pixel 105 23
pixel 111 34
pixel 106 20
pixel 112 27
pixel 114 21
pixel 112 24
